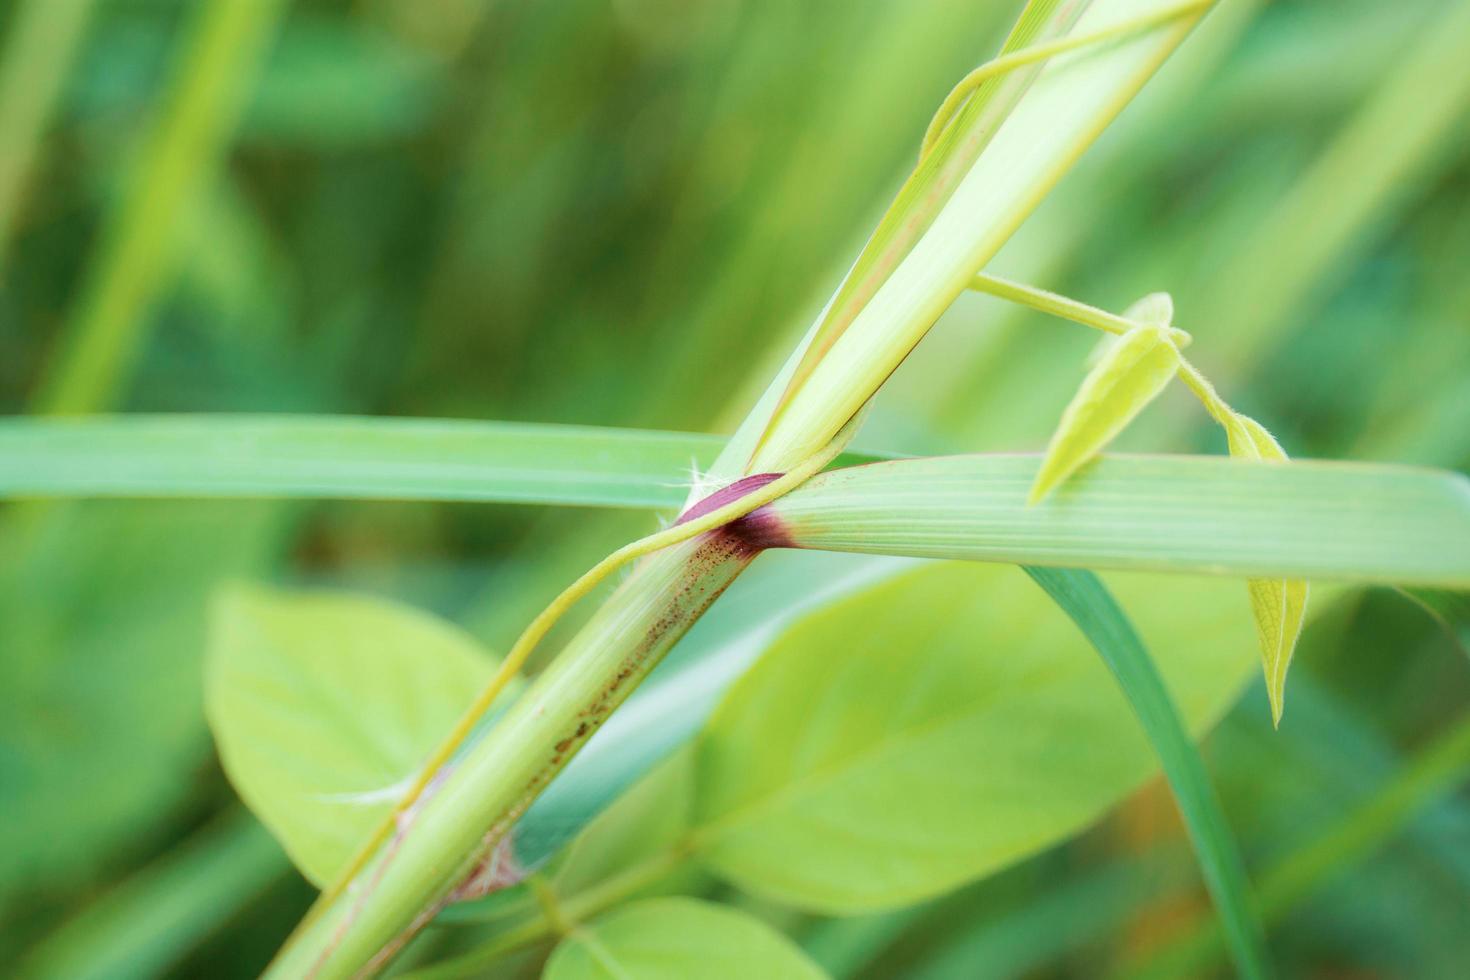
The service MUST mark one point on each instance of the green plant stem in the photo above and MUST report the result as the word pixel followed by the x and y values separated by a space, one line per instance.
pixel 516 658
pixel 1067 308
pixel 42 40
pixel 1055 304
pixel 487 789
pixel 943 165
pixel 442 834
pixel 968 85
pixel 178 156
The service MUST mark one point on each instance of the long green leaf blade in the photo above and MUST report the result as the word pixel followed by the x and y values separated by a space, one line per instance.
pixel 352 457
pixel 1329 521
pixel 336 456
pixel 1105 625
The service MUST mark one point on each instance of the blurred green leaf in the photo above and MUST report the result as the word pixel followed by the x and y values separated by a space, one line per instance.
pixel 331 83
pixel 153 919
pixel 677 938
pixel 946 689
pixel 325 706
pixel 41 42
pixel 99 669
pixel 1207 515
pixel 1132 373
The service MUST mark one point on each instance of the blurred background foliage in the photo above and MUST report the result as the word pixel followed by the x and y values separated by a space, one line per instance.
pixel 622 212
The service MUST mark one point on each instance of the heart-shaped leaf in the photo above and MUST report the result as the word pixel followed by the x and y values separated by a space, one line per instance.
pixel 324 706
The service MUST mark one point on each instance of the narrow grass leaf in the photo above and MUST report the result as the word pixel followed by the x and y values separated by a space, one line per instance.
pixel 1330 521
pixel 327 456
pixel 675 938
pixel 1084 598
pixel 1130 375
pixel 349 457
pixel 323 706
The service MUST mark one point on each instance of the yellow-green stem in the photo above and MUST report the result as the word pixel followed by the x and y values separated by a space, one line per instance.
pixel 1042 52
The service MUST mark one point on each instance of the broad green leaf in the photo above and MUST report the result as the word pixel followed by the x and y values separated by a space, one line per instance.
pixel 1130 375
pixel 904 740
pixel 678 938
pixel 1106 626
pixel 348 457
pixel 1329 521
pixel 324 706
pixel 1279 604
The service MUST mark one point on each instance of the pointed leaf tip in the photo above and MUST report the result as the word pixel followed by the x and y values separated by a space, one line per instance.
pixel 1279 605
pixel 1130 374
pixel 1155 309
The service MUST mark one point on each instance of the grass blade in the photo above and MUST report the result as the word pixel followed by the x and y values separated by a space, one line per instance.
pixel 1329 521
pixel 1087 601
pixel 336 456
pixel 350 457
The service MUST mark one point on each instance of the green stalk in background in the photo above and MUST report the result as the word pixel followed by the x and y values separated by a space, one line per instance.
pixel 43 40
pixel 1364 171
pixel 133 261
